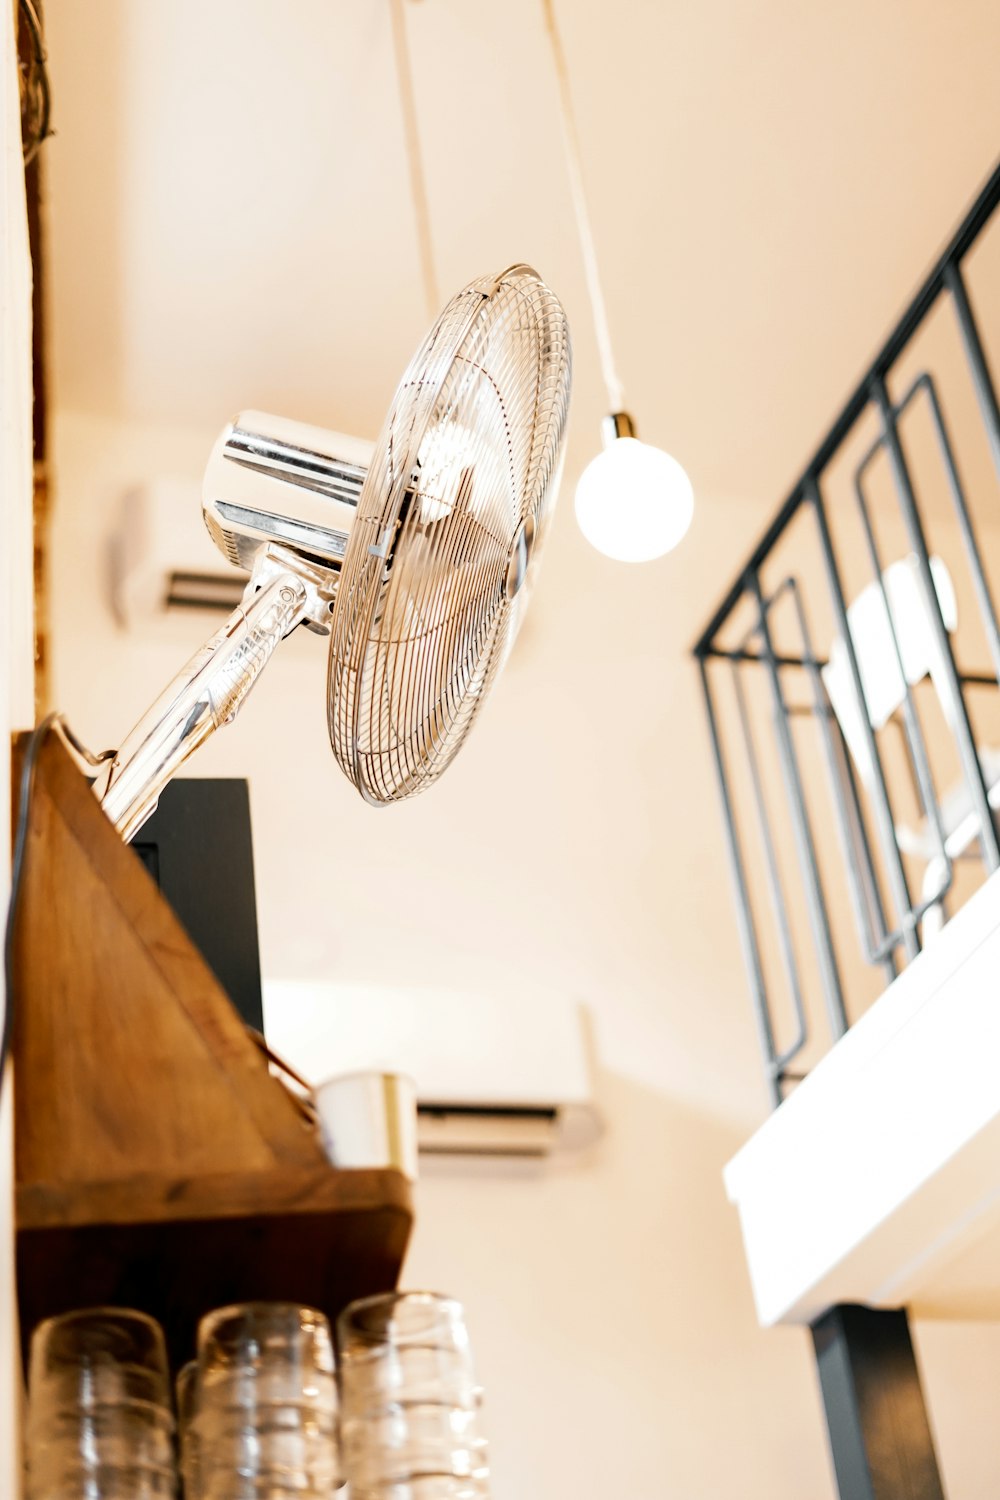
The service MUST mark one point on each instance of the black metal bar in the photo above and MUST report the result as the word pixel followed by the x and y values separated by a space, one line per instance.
pixel 976 217
pixel 959 718
pixel 819 921
pixel 716 653
pixel 880 946
pixel 913 734
pixel 861 882
pixel 924 383
pixel 904 735
pixel 744 912
pixel 976 355
pixel 880 792
pixel 880 1437
pixel 984 597
pixel 776 893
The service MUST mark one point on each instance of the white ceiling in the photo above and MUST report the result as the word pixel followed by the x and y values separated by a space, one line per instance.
pixel 230 226
pixel 232 223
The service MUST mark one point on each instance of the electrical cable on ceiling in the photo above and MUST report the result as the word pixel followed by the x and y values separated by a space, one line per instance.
pixel 634 502
pixel 588 248
pixel 418 181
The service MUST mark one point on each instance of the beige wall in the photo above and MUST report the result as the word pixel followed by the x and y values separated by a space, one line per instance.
pixel 754 245
pixel 612 1320
pixel 576 836
pixel 16 664
pixel 608 1299
pixel 609 1303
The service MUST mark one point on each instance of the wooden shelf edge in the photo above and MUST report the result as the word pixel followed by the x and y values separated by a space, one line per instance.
pixel 129 1059
pixel 155 1199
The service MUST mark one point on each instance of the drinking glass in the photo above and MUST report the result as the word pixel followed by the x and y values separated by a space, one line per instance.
pixel 410 1405
pixel 186 1391
pixel 99 1419
pixel 265 1408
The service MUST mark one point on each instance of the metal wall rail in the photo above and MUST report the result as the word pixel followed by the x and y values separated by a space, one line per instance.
pixel 890 919
pixel 945 275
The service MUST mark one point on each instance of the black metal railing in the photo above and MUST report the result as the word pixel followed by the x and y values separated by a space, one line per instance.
pixel 841 679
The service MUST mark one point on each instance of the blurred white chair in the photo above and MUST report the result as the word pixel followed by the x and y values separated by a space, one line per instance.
pixel 885 692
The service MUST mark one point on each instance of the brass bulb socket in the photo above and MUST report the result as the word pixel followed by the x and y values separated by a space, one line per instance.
pixel 618 425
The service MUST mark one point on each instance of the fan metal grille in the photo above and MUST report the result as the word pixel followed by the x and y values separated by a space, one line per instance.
pixel 456 500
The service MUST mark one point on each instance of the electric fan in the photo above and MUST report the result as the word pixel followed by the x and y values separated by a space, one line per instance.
pixel 415 567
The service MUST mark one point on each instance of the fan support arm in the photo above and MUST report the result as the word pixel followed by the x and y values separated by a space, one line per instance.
pixel 206 694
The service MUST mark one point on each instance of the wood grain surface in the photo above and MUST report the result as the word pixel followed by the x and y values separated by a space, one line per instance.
pixel 158 1163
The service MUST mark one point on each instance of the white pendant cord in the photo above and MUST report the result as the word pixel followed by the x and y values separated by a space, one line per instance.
pixel 574 168
pixel 418 182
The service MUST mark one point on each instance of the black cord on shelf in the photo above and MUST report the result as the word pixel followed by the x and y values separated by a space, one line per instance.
pixel 26 787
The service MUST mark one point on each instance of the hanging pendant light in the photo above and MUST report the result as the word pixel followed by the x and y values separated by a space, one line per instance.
pixel 633 502
pixel 414 158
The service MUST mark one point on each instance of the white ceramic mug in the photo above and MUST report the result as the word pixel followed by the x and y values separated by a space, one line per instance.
pixel 369 1120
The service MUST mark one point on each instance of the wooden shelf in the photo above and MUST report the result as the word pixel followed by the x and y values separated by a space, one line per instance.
pixel 159 1164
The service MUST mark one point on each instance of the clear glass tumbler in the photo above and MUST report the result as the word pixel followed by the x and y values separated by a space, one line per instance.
pixel 410 1405
pixel 99 1416
pixel 265 1411
pixel 186 1391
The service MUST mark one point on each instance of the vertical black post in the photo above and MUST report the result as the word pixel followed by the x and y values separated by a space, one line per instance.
pixel 744 911
pixel 880 792
pixel 862 882
pixel 819 917
pixel 956 711
pixel 976 356
pixel 779 906
pixel 880 1438
pixel 973 551
pixel 916 747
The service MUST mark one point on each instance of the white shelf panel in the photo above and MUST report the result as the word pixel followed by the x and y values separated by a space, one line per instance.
pixel 878 1180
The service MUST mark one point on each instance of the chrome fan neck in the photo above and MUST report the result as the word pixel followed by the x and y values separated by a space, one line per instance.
pixel 271 481
pixel 207 693
pixel 286 590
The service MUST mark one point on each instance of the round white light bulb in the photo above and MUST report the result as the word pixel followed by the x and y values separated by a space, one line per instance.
pixel 634 502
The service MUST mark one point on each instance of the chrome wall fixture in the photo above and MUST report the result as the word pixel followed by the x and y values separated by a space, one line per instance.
pixel 834 689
